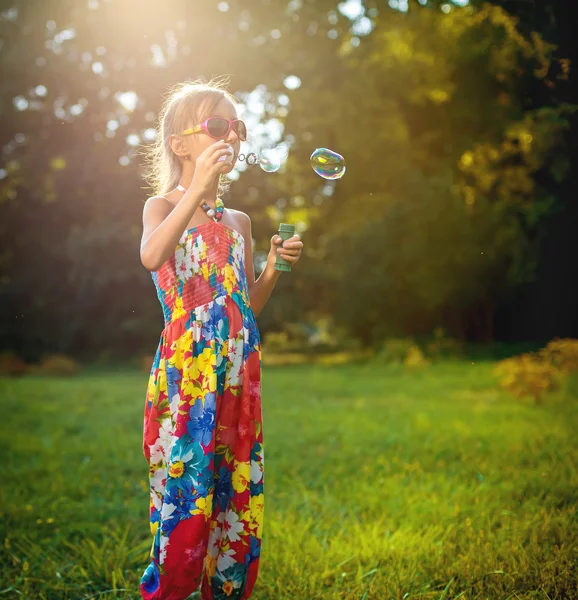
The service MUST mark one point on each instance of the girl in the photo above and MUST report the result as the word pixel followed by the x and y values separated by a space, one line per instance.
pixel 203 435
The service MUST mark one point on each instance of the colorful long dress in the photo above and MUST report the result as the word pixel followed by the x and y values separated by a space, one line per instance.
pixel 203 435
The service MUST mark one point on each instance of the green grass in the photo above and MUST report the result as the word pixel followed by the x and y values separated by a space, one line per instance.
pixel 379 484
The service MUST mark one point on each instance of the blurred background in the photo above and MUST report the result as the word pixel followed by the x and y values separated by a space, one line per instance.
pixel 457 121
pixel 420 361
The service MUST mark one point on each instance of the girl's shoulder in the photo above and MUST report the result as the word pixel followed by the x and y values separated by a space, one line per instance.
pixel 159 199
pixel 156 209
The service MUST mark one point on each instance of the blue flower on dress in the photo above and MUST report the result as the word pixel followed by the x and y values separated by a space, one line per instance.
pixel 203 419
pixel 224 487
pixel 187 460
pixel 151 578
pixel 217 312
pixel 254 548
pixel 173 374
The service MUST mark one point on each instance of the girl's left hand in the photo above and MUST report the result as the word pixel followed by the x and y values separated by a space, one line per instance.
pixel 290 249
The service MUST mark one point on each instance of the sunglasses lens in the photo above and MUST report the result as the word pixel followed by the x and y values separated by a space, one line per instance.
pixel 217 127
pixel 241 130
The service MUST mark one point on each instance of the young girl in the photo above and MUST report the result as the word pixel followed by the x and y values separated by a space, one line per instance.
pixel 203 434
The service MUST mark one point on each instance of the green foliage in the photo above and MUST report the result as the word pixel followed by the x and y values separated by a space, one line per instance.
pixel 534 374
pixel 562 353
pixel 58 364
pixel 11 364
pixel 441 347
pixel 394 350
pixel 435 221
pixel 528 376
pixel 438 214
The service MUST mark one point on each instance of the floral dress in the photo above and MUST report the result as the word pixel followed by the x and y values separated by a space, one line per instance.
pixel 203 435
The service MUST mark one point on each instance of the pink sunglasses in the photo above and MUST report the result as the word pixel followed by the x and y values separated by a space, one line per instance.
pixel 218 128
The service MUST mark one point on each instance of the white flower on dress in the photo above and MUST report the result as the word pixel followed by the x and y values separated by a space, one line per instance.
pixel 233 376
pixel 238 251
pixel 231 524
pixel 197 330
pixel 257 466
pixel 256 471
pixel 197 250
pixel 163 548
pixel 158 484
pixel 175 402
pixel 167 510
pixel 183 263
pixel 226 560
pixel 161 449
pixel 215 541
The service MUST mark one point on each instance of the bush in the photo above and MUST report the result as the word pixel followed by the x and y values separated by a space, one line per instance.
pixel 562 353
pixel 415 358
pixel 58 364
pixel 444 348
pixel 394 350
pixel 275 341
pixel 528 375
pixel 11 364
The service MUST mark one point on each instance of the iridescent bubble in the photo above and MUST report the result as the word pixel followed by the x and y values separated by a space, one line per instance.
pixel 270 160
pixel 327 164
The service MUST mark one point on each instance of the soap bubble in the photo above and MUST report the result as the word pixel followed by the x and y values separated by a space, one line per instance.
pixel 327 164
pixel 270 160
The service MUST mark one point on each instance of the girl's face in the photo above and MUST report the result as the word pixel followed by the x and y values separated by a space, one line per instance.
pixel 198 142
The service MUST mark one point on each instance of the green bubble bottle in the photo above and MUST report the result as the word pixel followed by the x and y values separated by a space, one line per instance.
pixel 285 231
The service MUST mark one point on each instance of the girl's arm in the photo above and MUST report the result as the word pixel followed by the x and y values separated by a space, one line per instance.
pixel 164 225
pixel 260 289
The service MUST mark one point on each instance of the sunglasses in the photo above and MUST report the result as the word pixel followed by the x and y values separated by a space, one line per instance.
pixel 218 128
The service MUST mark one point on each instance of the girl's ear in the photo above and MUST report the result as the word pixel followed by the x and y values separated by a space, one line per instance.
pixel 178 146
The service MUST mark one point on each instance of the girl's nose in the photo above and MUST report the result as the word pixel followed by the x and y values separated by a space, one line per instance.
pixel 232 138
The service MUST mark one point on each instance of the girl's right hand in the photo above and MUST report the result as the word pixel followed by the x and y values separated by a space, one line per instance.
pixel 208 167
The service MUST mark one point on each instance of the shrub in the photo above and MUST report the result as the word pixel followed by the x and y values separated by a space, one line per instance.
pixel 415 358
pixel 528 375
pixel 58 364
pixel 11 364
pixel 275 341
pixel 394 350
pixel 444 348
pixel 562 353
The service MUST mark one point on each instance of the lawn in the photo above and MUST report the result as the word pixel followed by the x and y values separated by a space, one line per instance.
pixel 379 483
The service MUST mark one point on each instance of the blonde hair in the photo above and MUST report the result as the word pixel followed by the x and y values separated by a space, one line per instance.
pixel 184 101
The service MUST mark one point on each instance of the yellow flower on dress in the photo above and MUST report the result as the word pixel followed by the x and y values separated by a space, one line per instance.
pixel 154 527
pixel 257 509
pixel 228 587
pixel 178 310
pixel 205 270
pixel 230 278
pixel 210 565
pixel 204 506
pixel 180 347
pixel 241 476
pixel 177 469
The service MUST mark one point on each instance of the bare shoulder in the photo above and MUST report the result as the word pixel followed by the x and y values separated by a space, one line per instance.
pixel 242 220
pixel 156 209
pixel 156 204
